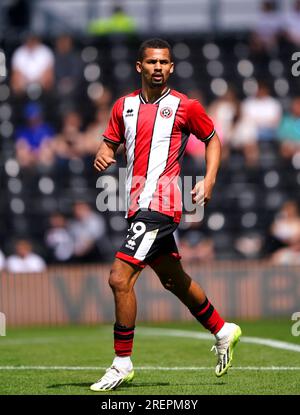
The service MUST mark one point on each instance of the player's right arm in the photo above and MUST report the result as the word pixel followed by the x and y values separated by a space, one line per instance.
pixel 113 136
pixel 105 155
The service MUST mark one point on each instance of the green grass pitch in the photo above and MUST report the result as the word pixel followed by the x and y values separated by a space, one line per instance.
pixel 66 360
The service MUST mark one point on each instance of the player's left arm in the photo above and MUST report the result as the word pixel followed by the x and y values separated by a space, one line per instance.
pixel 202 126
pixel 202 191
pixel 213 159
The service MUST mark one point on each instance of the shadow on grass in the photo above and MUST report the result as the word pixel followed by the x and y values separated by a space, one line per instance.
pixel 138 385
pixel 132 386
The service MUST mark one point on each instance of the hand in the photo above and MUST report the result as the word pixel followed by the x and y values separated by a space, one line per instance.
pixel 102 161
pixel 202 191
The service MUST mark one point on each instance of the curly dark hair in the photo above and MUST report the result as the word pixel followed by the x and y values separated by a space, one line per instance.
pixel 153 44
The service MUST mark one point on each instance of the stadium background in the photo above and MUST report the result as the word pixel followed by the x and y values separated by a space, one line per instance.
pixel 250 271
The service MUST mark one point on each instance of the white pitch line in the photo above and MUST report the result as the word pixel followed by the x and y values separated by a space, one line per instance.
pixel 178 368
pixel 276 344
pixel 165 332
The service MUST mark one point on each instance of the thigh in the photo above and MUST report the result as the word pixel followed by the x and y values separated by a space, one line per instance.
pixel 124 267
pixel 124 272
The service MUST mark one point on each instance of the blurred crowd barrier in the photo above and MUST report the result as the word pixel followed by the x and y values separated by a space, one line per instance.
pixel 81 295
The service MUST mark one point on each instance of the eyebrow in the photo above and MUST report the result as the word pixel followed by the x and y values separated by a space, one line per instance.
pixel 157 59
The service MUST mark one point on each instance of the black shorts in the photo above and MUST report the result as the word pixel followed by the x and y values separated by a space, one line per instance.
pixel 150 235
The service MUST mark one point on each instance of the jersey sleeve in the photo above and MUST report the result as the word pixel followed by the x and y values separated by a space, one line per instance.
pixel 198 122
pixel 114 131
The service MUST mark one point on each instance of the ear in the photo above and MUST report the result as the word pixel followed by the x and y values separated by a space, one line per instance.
pixel 172 67
pixel 138 66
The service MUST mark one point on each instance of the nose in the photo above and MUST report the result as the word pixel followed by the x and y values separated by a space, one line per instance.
pixel 157 66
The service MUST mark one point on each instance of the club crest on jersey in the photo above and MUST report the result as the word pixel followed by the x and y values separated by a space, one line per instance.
pixel 166 112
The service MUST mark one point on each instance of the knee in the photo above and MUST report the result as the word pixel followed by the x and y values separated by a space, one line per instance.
pixel 118 282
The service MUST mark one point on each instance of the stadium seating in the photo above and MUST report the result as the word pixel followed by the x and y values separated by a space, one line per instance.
pixel 245 199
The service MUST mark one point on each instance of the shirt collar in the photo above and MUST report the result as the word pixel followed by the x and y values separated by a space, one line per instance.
pixel 143 100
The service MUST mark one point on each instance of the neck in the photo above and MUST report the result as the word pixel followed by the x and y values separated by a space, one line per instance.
pixel 152 94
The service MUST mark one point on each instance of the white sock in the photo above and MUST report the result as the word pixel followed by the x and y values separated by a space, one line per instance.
pixel 123 362
pixel 225 331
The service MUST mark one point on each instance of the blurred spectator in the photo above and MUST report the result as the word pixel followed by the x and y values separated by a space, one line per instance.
pixel 196 149
pixel 103 98
pixel 58 239
pixel 196 93
pixel 70 142
pixel 2 260
pixel 269 24
pixel 88 230
pixel 286 225
pixel 95 130
pixel 289 130
pixel 223 111
pixel 292 25
pixel 249 245
pixel 24 259
pixel 194 246
pixel 32 63
pixel 34 139
pixel 67 68
pixel 243 137
pixel 287 256
pixel 118 22
pixel 262 112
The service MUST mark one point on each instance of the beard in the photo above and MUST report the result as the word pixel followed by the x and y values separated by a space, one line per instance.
pixel 151 82
pixel 157 83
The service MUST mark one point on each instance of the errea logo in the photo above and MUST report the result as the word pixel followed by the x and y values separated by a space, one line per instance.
pixel 129 113
pixel 166 112
pixel 130 244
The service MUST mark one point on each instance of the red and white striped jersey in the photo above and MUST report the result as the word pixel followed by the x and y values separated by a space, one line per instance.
pixel 155 137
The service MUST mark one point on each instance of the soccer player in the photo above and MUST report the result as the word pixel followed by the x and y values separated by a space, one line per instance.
pixel 154 124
